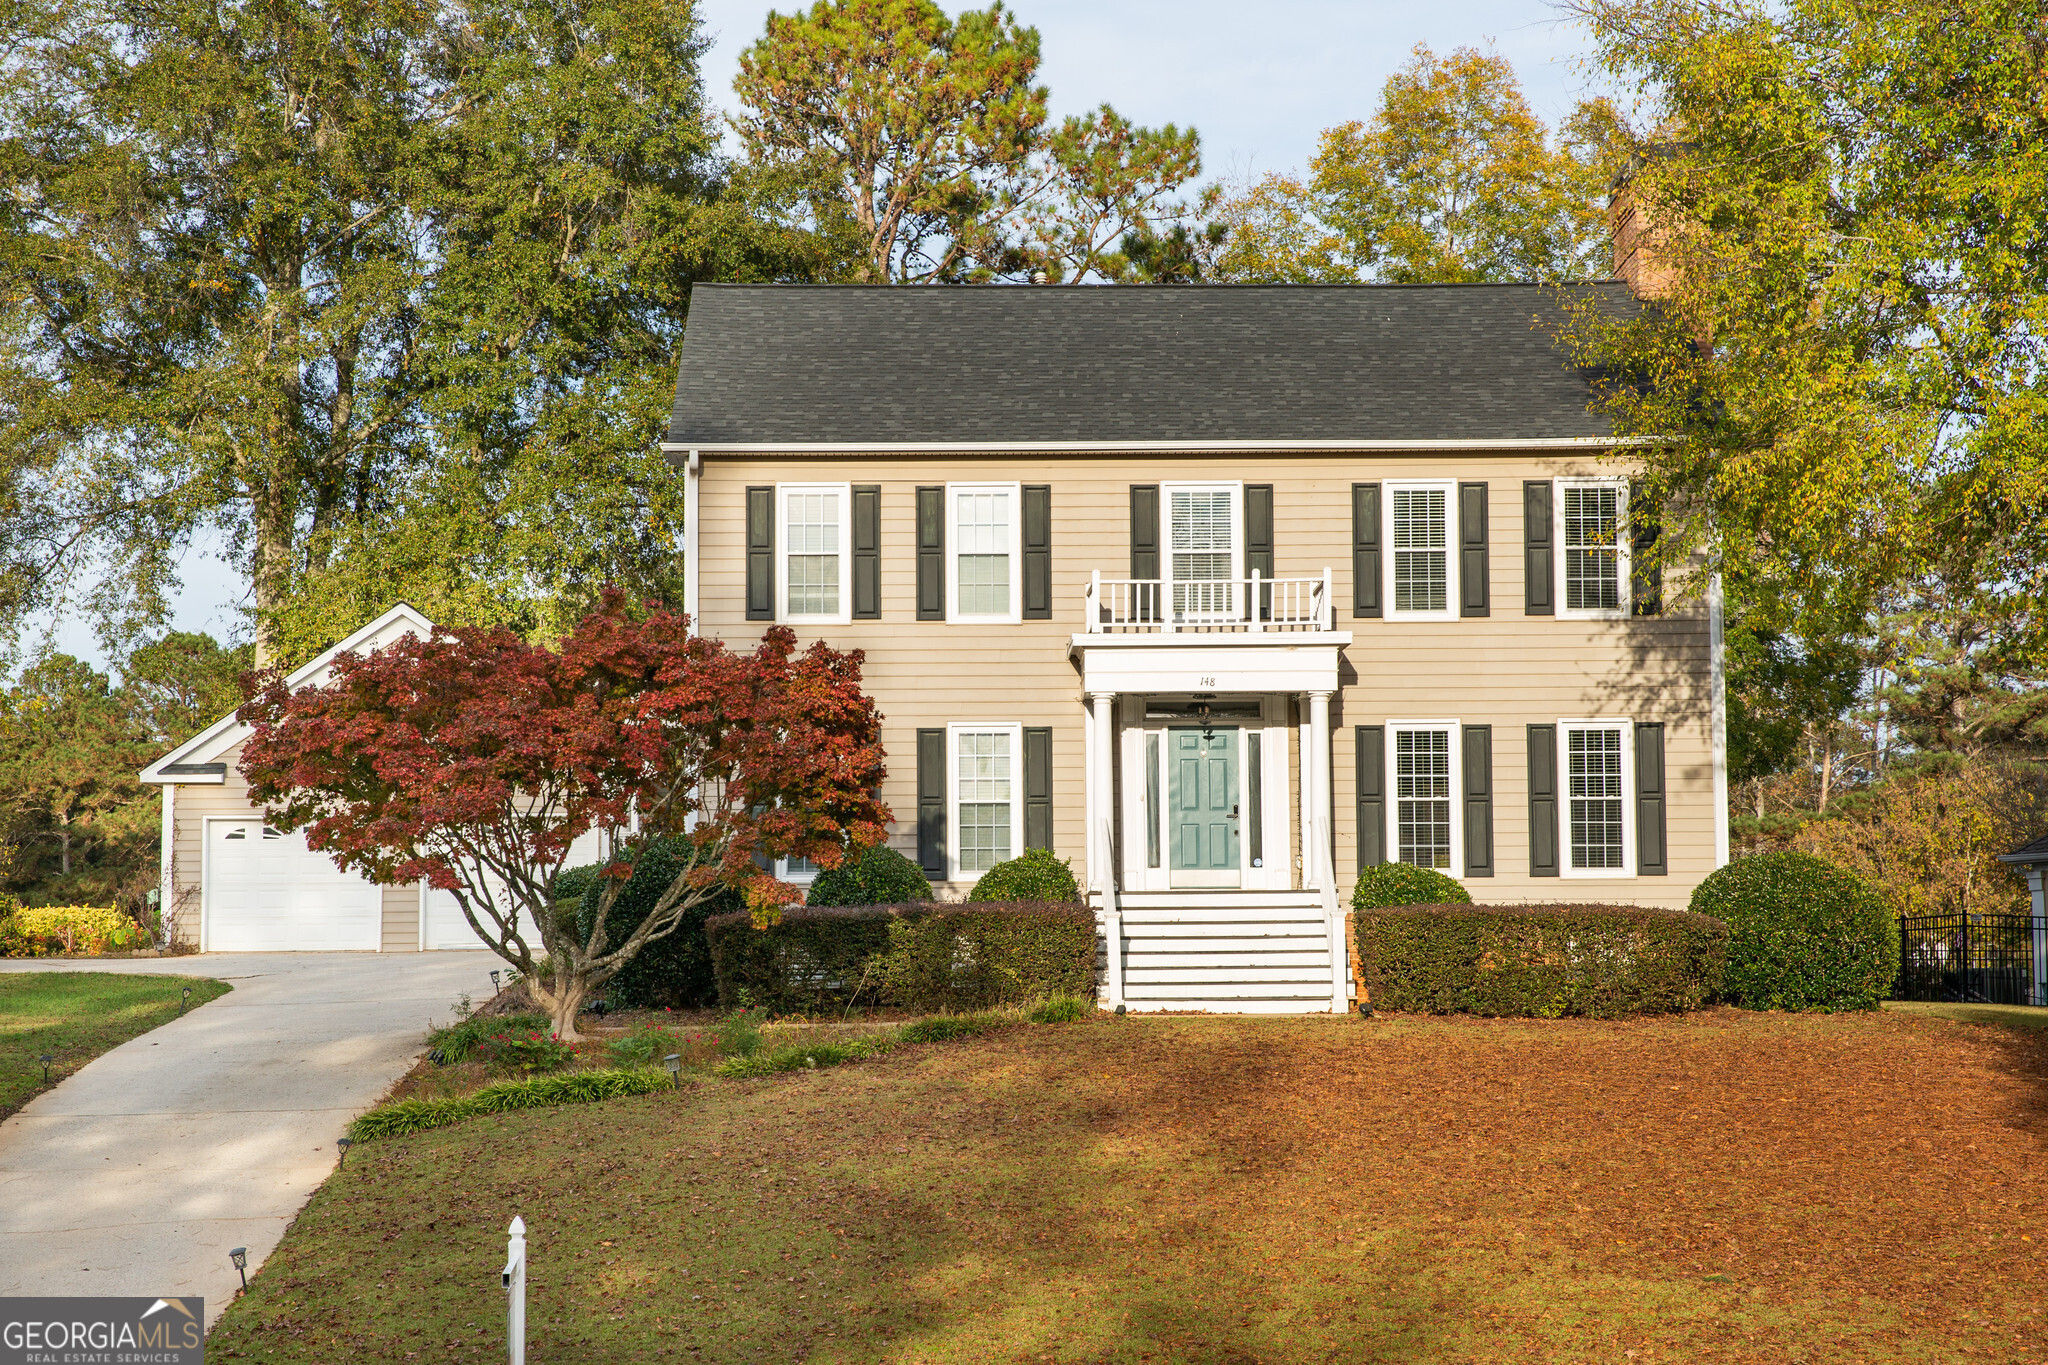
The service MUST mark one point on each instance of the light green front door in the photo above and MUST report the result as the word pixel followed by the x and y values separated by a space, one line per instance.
pixel 1202 805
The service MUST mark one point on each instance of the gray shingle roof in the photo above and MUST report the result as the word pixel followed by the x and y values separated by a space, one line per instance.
pixel 831 364
pixel 2028 854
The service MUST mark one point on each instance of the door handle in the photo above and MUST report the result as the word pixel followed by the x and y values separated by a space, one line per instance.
pixel 1233 812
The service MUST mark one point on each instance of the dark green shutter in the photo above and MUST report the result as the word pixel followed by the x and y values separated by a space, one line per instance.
pixel 1543 800
pixel 1539 573
pixel 1037 786
pixel 1258 540
pixel 1144 530
pixel 1037 554
pixel 1365 550
pixel 867 552
pixel 1372 796
pixel 1651 858
pixel 1478 800
pixel 1646 575
pixel 1474 592
pixel 760 554
pixel 931 802
pixel 1145 548
pixel 931 554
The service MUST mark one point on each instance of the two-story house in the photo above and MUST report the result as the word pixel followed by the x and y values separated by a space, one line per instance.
pixel 1221 593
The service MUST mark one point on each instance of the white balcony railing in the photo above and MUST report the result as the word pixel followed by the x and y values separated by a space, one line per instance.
pixel 1153 606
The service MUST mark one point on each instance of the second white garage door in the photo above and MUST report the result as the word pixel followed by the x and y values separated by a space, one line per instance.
pixel 267 892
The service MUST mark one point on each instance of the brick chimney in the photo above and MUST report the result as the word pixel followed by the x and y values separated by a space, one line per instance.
pixel 1638 256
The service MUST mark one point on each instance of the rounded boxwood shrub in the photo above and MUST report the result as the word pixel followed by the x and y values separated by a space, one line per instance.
pixel 674 970
pixel 1405 884
pixel 1033 875
pixel 879 876
pixel 1804 934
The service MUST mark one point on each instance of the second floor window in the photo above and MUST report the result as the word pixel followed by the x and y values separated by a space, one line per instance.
pixel 1424 568
pixel 1592 523
pixel 1202 547
pixel 814 552
pixel 984 540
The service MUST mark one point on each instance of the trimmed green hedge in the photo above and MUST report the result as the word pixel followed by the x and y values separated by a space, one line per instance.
pixel 1036 874
pixel 1804 934
pixel 1541 961
pixel 541 1092
pixel 675 969
pixel 1405 884
pixel 880 876
pixel 926 956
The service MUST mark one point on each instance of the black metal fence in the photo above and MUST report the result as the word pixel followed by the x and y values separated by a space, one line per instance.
pixel 1987 959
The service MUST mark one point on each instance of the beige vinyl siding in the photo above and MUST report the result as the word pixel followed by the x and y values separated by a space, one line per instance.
pixel 1507 670
pixel 199 802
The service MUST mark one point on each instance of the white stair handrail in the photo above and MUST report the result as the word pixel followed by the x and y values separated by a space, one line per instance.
pixel 1112 923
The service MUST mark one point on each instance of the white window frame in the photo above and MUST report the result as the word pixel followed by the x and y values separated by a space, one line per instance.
pixel 1452 588
pixel 1015 551
pixel 954 730
pixel 782 873
pixel 1623 539
pixel 1627 730
pixel 1233 487
pixel 1393 790
pixel 844 615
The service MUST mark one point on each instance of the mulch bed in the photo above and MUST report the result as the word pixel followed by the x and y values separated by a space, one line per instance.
pixel 1725 1186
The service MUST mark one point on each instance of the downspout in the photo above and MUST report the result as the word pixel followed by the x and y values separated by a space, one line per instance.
pixel 1718 693
pixel 693 473
pixel 167 869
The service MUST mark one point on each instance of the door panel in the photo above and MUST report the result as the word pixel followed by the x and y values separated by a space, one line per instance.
pixel 1203 803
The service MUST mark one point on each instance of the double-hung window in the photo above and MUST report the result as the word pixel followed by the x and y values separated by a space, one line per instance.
pixel 816 544
pixel 1204 537
pixel 1422 559
pixel 1592 533
pixel 1422 775
pixel 1598 769
pixel 983 520
pixel 985 765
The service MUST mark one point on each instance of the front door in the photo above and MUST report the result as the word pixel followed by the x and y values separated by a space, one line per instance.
pixel 1202 805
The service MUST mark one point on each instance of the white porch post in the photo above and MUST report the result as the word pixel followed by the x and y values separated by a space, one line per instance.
pixel 2037 883
pixel 1102 838
pixel 1315 775
pixel 1304 794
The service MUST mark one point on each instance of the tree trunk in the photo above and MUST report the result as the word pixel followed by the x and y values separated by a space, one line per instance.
pixel 564 1001
pixel 1827 770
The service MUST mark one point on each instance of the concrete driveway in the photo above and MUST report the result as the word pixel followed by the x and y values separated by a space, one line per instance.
pixel 136 1175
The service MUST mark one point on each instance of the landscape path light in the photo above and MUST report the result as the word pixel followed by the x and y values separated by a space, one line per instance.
pixel 184 999
pixel 240 1256
pixel 342 1145
pixel 46 1059
pixel 494 983
pixel 674 1063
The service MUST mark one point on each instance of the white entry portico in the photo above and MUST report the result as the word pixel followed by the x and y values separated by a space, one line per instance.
pixel 1206 897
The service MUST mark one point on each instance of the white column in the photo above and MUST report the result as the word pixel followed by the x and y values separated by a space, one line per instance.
pixel 1304 797
pixel 1102 840
pixel 1319 785
pixel 1717 701
pixel 2037 882
pixel 1325 857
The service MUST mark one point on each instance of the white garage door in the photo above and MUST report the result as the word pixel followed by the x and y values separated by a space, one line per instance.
pixel 267 892
pixel 446 927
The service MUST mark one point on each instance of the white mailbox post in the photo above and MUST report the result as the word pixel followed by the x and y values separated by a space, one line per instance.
pixel 515 1292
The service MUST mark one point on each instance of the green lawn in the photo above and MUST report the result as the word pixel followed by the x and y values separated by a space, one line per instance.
pixel 1721 1187
pixel 2015 1016
pixel 74 1017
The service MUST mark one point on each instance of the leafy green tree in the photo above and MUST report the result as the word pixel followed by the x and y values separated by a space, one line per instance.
pixel 1454 178
pixel 922 146
pixel 1845 378
pixel 178 685
pixel 319 277
pixel 916 128
pixel 69 754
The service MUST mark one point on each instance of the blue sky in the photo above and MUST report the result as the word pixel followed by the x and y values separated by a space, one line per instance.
pixel 1259 80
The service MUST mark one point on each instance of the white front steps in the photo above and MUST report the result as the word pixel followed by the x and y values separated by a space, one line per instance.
pixel 1226 952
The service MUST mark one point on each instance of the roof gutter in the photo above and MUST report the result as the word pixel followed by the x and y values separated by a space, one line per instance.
pixel 674 448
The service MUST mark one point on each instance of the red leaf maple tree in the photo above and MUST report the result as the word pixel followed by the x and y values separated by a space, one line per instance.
pixel 471 759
